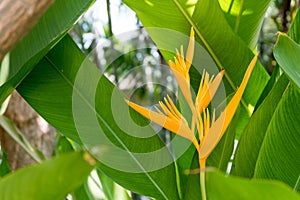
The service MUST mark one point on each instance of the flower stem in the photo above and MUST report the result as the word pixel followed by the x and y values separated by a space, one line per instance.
pixel 202 185
pixel 202 178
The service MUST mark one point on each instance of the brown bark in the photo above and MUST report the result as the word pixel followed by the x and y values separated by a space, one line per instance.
pixel 16 19
pixel 37 131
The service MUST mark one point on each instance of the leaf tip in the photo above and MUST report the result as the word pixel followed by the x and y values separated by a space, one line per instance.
pixel 89 159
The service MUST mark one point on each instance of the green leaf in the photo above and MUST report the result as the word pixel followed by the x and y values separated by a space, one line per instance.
pixel 245 18
pixel 220 186
pixel 192 190
pixel 257 132
pixel 211 28
pixel 279 154
pixel 294 31
pixel 286 53
pixel 111 190
pixel 53 179
pixel 83 192
pixel 20 138
pixel 221 155
pixel 54 90
pixel 4 71
pixel 254 134
pixel 4 165
pixel 269 86
pixel 52 26
pixel 107 184
pixel 62 145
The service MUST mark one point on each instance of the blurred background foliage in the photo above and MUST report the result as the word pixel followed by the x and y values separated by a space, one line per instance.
pixel 97 34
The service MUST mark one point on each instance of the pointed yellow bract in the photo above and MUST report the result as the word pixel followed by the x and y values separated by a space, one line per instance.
pixel 207 89
pixel 181 67
pixel 171 119
pixel 210 131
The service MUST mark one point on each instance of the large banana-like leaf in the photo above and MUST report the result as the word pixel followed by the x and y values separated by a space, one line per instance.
pixel 257 136
pixel 286 53
pixel 279 157
pixel 54 90
pixel 222 187
pixel 52 26
pixel 252 138
pixel 245 17
pixel 52 179
pixel 265 132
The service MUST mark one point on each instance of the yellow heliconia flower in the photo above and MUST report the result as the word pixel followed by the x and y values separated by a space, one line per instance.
pixel 210 130
pixel 213 132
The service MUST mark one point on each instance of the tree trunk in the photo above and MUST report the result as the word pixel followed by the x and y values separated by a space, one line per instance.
pixel 16 19
pixel 37 131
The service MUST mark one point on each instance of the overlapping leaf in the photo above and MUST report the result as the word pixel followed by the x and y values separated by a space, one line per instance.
pixel 254 134
pixel 286 53
pixel 279 157
pixel 53 179
pixel 271 131
pixel 52 26
pixel 49 89
pixel 255 158
pixel 245 18
pixel 230 187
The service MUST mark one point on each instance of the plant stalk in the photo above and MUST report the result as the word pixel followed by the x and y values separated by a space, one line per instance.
pixel 202 178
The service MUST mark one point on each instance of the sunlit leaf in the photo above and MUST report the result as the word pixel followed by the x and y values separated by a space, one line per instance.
pixel 230 187
pixel 286 53
pixel 245 18
pixel 53 179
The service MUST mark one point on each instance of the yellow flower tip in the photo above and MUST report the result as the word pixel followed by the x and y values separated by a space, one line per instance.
pixel 126 100
pixel 190 50
pixel 192 32
pixel 222 72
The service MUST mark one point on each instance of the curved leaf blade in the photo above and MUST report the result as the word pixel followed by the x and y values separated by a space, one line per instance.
pixel 49 90
pixel 245 18
pixel 52 26
pixel 53 179
pixel 254 133
pixel 286 53
pixel 279 157
pixel 220 186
